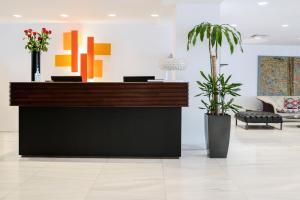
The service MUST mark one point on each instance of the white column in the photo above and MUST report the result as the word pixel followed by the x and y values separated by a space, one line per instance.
pixel 187 16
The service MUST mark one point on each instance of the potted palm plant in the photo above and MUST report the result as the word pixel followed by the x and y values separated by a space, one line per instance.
pixel 217 88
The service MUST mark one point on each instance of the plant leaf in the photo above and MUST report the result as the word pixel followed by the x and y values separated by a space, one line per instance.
pixel 229 41
pixel 213 36
pixel 202 31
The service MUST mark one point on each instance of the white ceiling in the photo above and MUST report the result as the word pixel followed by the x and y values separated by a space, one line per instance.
pixel 82 10
pixel 87 10
pixel 253 19
pixel 250 18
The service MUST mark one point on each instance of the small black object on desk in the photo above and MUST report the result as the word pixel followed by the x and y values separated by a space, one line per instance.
pixel 66 78
pixel 138 78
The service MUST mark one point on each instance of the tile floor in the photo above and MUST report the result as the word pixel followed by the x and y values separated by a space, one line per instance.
pixel 262 165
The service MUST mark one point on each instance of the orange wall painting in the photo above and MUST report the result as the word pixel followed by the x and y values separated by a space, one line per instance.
pixel 89 66
pixel 90 56
pixel 74 50
pixel 98 68
pixel 83 67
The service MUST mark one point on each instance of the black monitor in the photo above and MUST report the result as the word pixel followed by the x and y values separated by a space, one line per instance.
pixel 138 78
pixel 66 78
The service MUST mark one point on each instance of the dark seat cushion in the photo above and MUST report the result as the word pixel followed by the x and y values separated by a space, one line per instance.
pixel 258 117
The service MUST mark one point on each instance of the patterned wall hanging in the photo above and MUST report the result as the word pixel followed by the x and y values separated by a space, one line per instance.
pixel 278 76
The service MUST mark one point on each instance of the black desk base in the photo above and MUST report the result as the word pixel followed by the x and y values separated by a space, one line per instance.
pixel 100 132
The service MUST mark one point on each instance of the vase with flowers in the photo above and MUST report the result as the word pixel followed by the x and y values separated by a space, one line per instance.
pixel 37 42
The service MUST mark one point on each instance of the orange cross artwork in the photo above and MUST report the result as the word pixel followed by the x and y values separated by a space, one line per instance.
pixel 89 67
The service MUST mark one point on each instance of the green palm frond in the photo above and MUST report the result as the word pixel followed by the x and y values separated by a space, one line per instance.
pixel 215 34
pixel 223 88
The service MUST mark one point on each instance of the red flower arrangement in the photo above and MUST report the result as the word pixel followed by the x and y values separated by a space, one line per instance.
pixel 37 41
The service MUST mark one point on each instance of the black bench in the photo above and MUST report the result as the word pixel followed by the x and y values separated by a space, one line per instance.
pixel 258 117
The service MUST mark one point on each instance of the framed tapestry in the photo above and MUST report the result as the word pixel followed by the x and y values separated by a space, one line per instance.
pixel 278 76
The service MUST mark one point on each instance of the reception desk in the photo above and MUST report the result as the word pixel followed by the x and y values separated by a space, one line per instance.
pixel 99 119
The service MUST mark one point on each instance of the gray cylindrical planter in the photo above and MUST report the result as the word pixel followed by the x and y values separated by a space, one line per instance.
pixel 217 131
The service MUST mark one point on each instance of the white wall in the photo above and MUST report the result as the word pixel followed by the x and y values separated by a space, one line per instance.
pixel 244 68
pixel 137 48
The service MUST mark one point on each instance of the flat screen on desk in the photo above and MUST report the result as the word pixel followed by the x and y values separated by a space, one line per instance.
pixel 138 78
pixel 66 78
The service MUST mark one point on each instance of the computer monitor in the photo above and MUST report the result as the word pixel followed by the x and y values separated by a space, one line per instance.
pixel 66 78
pixel 138 78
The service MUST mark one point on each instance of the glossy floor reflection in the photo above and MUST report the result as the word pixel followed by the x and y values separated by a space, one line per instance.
pixel 262 165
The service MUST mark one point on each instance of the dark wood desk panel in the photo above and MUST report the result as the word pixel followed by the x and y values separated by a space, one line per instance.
pixel 99 94
pixel 100 119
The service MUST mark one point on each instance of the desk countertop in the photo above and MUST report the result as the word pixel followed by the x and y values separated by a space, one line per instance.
pixel 103 94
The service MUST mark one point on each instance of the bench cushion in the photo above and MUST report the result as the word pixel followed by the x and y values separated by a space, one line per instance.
pixel 258 117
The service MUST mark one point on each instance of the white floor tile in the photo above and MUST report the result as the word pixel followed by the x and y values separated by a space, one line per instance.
pixel 261 165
